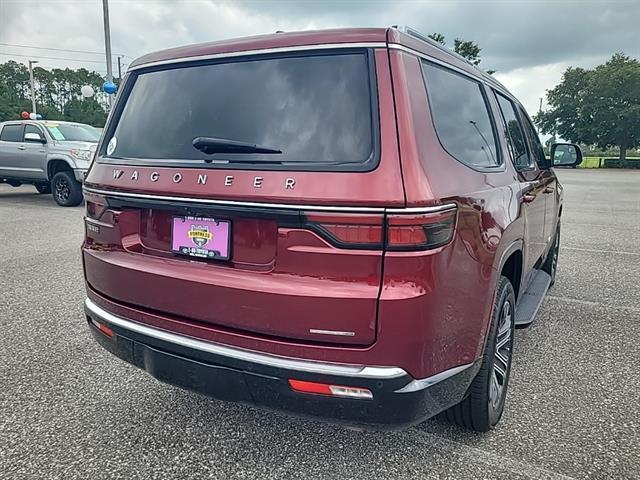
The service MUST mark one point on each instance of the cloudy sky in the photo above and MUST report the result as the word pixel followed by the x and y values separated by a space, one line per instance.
pixel 529 42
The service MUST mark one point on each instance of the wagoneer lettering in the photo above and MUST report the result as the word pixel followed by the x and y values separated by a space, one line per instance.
pixel 292 243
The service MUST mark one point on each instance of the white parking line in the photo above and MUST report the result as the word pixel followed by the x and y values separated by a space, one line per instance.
pixel 593 304
pixel 593 250
pixel 474 455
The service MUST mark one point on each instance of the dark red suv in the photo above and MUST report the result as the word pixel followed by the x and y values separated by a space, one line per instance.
pixel 345 224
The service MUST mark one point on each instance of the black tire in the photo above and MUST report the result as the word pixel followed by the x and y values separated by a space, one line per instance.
pixel 482 408
pixel 67 192
pixel 43 187
pixel 550 264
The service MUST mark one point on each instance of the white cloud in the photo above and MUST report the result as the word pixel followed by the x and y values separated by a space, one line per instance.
pixel 529 43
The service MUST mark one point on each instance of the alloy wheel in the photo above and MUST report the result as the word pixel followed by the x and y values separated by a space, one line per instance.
pixel 63 189
pixel 502 356
pixel 554 259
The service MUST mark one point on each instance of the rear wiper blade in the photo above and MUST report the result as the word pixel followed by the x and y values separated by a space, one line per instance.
pixel 211 145
pixel 273 162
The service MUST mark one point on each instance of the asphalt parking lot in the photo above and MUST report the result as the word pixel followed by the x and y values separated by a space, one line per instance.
pixel 68 409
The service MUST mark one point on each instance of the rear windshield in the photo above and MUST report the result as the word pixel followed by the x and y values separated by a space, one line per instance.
pixel 317 110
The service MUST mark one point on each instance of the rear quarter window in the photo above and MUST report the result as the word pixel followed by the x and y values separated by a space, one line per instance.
pixel 513 133
pixel 11 133
pixel 461 116
pixel 318 109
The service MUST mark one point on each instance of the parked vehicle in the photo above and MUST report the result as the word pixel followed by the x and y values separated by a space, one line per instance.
pixel 346 224
pixel 52 156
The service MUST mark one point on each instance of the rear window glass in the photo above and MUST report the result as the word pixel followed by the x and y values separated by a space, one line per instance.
pixel 316 110
pixel 461 116
pixel 11 133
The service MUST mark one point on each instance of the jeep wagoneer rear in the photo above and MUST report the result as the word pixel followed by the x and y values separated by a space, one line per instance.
pixel 261 228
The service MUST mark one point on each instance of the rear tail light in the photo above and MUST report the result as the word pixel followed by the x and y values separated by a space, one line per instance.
pixel 401 232
pixel 96 205
pixel 420 232
pixel 331 390
pixel 349 231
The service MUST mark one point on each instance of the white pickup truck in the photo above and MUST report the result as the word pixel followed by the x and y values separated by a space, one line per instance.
pixel 53 156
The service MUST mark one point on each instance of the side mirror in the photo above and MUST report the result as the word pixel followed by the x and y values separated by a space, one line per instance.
pixel 34 137
pixel 565 155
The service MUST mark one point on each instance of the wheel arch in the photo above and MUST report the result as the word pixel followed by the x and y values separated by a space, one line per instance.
pixel 511 265
pixel 56 165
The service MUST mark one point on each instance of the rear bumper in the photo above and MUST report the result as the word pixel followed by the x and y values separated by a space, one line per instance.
pixel 239 375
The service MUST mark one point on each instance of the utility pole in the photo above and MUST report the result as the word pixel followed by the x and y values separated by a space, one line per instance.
pixel 33 90
pixel 119 69
pixel 539 112
pixel 107 45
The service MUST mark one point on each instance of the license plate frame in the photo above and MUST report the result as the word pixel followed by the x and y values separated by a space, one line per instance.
pixel 201 237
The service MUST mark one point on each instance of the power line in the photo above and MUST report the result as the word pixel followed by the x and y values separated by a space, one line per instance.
pixel 61 49
pixel 54 58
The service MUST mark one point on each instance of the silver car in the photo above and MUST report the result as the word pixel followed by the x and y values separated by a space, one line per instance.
pixel 53 156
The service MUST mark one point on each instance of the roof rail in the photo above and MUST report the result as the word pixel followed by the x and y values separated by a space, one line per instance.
pixel 416 34
pixel 424 38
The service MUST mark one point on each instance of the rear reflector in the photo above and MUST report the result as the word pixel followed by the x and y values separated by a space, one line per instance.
pixel 103 328
pixel 332 390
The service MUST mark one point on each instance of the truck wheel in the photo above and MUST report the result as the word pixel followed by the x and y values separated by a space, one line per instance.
pixel 67 192
pixel 482 408
pixel 43 187
pixel 550 264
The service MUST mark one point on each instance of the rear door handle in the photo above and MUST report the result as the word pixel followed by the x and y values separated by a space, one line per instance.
pixel 528 198
pixel 22 147
pixel 548 190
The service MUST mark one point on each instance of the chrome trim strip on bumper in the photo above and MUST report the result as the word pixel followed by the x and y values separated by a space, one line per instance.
pixel 355 371
pixel 423 383
pixel 262 51
pixel 280 206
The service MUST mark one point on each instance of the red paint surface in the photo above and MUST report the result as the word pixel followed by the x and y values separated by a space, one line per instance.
pixel 424 311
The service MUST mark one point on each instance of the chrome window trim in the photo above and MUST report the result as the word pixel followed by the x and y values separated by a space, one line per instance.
pixel 476 77
pixel 261 51
pixel 357 371
pixel 280 206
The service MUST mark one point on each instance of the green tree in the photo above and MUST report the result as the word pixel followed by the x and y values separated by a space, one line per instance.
pixel 87 111
pixel 597 107
pixel 465 48
pixel 438 37
pixel 468 49
pixel 57 93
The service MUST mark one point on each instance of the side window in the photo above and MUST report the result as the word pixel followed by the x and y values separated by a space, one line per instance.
pixel 537 152
pixel 513 133
pixel 32 129
pixel 461 116
pixel 11 133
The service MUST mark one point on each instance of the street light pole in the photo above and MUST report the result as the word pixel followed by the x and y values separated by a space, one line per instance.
pixel 107 44
pixel 33 90
pixel 539 112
